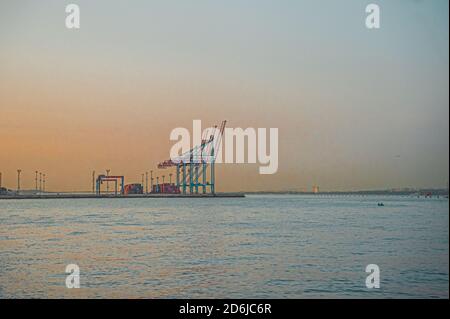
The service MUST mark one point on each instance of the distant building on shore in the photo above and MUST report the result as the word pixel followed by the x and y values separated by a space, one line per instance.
pixel 315 189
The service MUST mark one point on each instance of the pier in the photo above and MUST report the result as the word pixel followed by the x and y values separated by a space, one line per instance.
pixel 112 196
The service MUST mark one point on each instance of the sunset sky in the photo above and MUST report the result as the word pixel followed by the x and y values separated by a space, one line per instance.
pixel 356 108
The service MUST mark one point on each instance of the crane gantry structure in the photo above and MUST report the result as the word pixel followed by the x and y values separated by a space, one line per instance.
pixel 194 163
pixel 107 178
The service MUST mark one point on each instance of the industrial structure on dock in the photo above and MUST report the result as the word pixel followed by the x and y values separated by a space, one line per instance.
pixel 191 168
pixel 194 171
pixel 194 174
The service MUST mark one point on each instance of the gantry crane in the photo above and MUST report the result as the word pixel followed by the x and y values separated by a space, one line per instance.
pixel 194 163
pixel 105 178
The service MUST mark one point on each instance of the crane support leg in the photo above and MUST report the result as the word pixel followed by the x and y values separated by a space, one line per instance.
pixel 178 176
pixel 190 178
pixel 196 178
pixel 184 178
pixel 204 177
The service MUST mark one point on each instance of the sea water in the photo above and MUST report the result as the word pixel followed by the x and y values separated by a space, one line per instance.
pixel 261 246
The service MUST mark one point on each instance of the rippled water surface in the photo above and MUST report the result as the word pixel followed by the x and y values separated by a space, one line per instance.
pixel 254 247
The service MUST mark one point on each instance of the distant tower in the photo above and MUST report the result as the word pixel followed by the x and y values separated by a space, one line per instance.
pixel 315 189
pixel 43 182
pixel 35 180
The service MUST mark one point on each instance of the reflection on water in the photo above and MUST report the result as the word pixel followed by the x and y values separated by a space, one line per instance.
pixel 254 247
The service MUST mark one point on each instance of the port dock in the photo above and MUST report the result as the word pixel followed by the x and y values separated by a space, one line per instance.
pixel 112 196
pixel 194 175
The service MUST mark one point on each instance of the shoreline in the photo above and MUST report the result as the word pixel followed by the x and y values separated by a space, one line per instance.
pixel 95 196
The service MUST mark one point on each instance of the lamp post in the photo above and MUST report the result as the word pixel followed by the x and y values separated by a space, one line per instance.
pixel 18 180
pixel 151 181
pixel 44 182
pixel 93 182
pixel 146 182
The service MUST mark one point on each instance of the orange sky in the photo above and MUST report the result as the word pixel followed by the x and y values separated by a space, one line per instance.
pixel 108 95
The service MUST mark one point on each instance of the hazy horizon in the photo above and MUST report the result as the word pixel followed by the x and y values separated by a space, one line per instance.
pixel 356 109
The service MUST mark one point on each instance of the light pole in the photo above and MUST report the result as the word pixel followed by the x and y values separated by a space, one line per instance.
pixel 151 181
pixel 93 182
pixel 107 183
pixel 40 182
pixel 18 180
pixel 44 182
pixel 146 182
